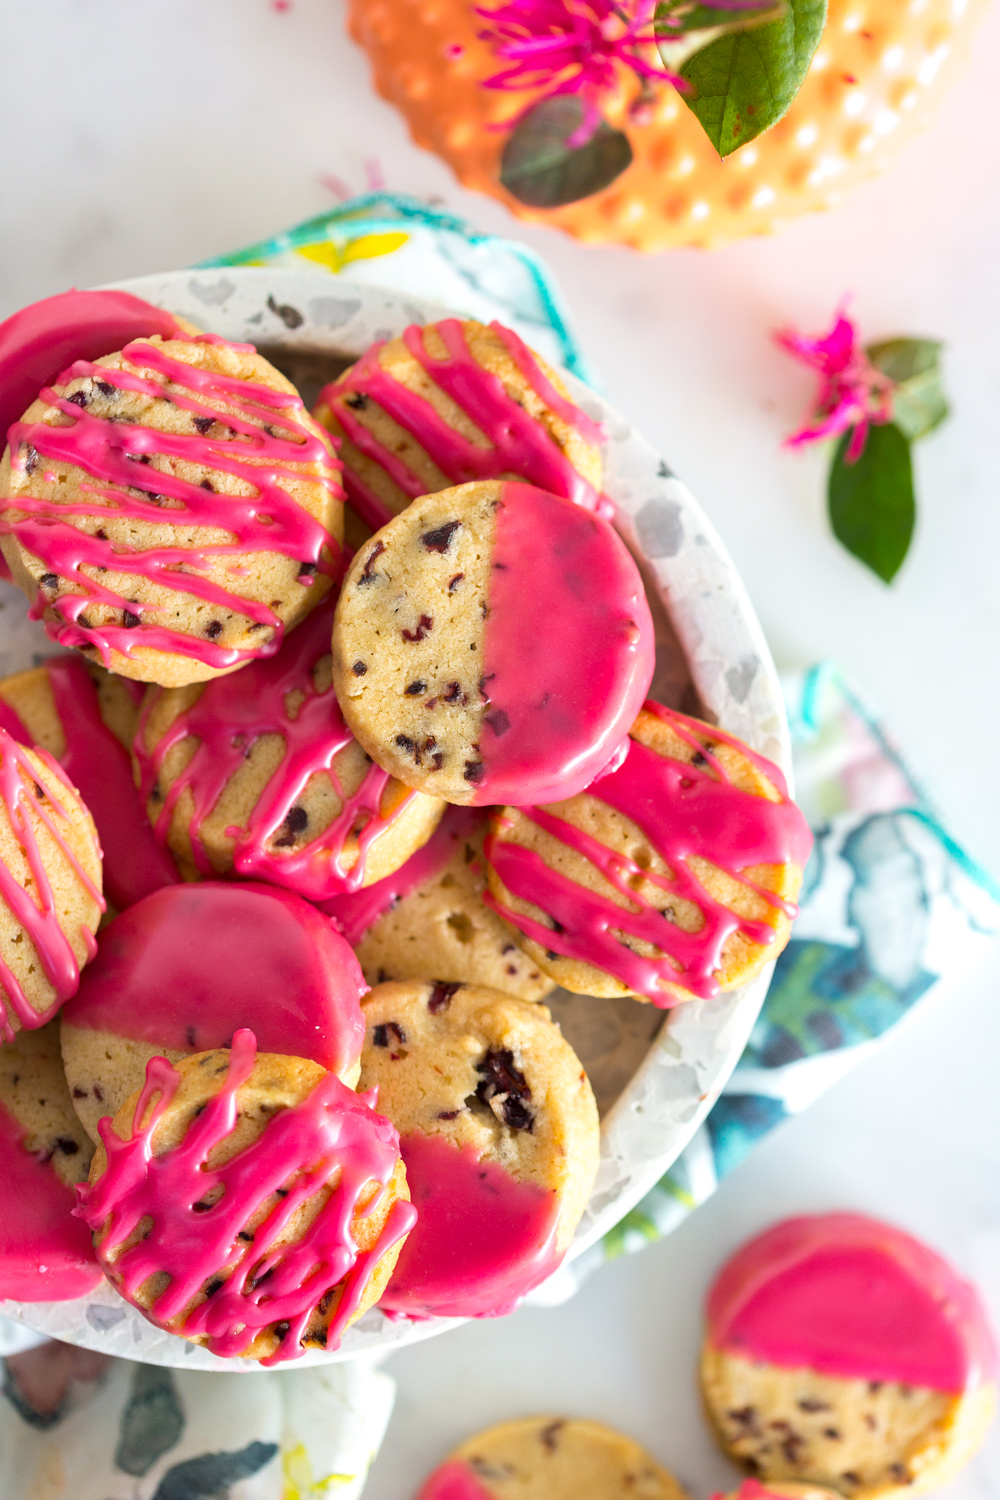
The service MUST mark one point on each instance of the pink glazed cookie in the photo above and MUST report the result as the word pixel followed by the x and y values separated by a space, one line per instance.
pixel 493 643
pixel 182 970
pixel 844 1353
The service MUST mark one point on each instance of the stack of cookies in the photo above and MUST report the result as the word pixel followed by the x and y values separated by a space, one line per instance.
pixel 350 762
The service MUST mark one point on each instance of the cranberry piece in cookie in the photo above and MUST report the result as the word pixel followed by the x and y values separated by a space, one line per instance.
pixel 843 1353
pixel 672 876
pixel 182 970
pixel 504 644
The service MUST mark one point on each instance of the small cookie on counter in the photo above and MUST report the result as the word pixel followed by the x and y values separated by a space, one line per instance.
pixel 673 876
pixel 448 403
pixel 268 1208
pixel 428 920
pixel 50 887
pixel 843 1353
pixel 493 643
pixel 499 1131
pixel 257 775
pixel 185 445
pixel 551 1458
pixel 45 1253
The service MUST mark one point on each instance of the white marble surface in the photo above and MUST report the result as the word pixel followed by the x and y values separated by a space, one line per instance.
pixel 138 137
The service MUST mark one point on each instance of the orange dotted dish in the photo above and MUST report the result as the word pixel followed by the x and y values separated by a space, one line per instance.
pixel 875 80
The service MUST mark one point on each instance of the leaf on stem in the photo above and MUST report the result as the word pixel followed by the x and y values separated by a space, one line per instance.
pixel 914 366
pixel 871 502
pixel 541 169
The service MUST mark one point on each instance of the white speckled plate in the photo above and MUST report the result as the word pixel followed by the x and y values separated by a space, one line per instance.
pixel 711 658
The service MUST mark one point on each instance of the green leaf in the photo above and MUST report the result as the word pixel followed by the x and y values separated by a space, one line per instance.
pixel 743 82
pixel 872 505
pixel 540 169
pixel 919 402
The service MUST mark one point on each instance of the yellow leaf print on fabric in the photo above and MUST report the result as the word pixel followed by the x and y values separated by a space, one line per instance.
pixel 298 1476
pixel 365 247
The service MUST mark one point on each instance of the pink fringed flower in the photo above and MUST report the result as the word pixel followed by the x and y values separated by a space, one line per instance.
pixel 853 394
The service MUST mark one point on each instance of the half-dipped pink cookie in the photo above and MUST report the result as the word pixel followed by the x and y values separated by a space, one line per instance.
pixel 170 507
pixel 672 876
pixel 85 717
pixel 493 643
pixel 45 1253
pixel 256 774
pixel 453 402
pixel 841 1352
pixel 250 1203
pixel 551 1458
pixel 499 1131
pixel 50 886
pixel 181 971
pixel 429 919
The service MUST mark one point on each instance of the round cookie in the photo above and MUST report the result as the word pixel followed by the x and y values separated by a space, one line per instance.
pixel 448 403
pixel 551 1458
pixel 256 774
pixel 499 1131
pixel 428 920
pixel 50 887
pixel 181 971
pixel 195 458
pixel 843 1353
pixel 446 673
pixel 86 719
pixel 673 876
pixel 236 1171
pixel 45 1253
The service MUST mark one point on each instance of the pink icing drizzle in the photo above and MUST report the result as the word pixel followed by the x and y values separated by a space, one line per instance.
pixel 356 911
pixel 115 455
pixel 482 1238
pixel 332 1137
pixel 45 1254
pixel 454 1481
pixel 563 694
pixel 752 1489
pixel 233 712
pixel 40 340
pixel 854 1298
pixel 10 720
pixel 191 963
pixel 518 443
pixel 22 787
pixel 683 811
pixel 97 765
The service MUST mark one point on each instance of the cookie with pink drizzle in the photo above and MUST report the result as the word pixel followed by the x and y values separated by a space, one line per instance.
pixel 449 403
pixel 45 1253
pixel 171 508
pixel 256 774
pixel 181 971
pixel 551 1458
pixel 499 1131
pixel 50 887
pixel 673 876
pixel 86 718
pixel 752 1489
pixel 250 1203
pixel 450 677
pixel 429 919
pixel 844 1353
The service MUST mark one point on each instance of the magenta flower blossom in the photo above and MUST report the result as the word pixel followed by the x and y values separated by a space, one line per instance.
pixel 853 394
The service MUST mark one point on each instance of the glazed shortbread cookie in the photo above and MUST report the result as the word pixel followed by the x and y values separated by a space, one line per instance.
pixel 843 1353
pixel 256 774
pixel 86 719
pixel 185 446
pixel 448 674
pixel 429 920
pixel 449 403
pixel 269 1210
pixel 182 970
pixel 50 887
pixel 499 1131
pixel 45 1253
pixel 670 877
pixel 551 1458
